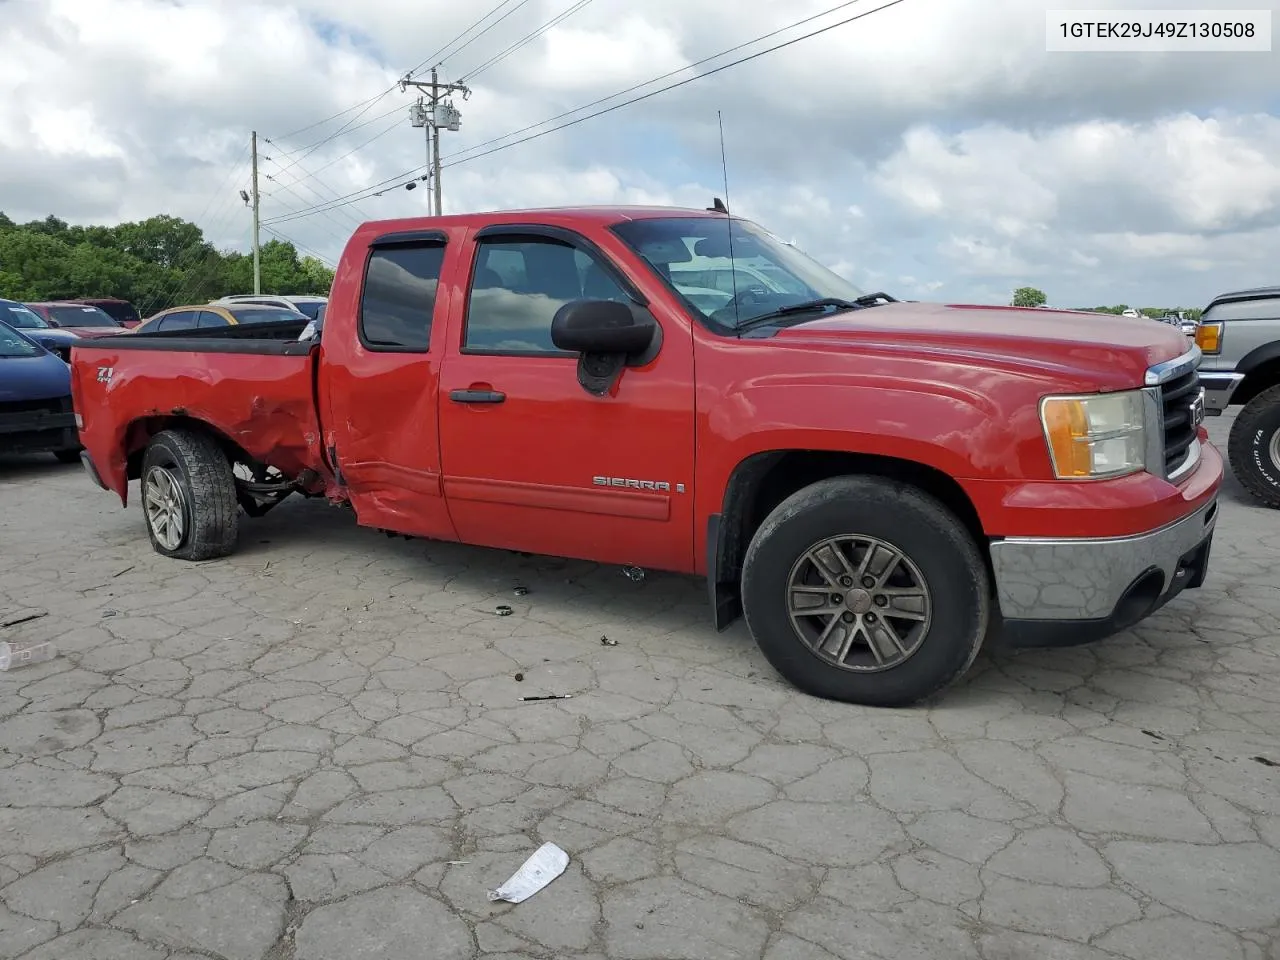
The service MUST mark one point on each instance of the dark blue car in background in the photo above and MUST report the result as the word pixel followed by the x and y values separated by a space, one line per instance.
pixel 35 399
pixel 21 317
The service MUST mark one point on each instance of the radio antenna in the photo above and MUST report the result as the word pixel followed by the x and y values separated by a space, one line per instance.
pixel 733 273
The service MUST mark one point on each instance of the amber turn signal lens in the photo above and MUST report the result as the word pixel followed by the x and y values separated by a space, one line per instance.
pixel 1066 427
pixel 1209 337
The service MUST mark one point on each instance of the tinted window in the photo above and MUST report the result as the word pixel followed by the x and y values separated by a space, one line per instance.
pixel 518 287
pixel 20 318
pixel 265 315
pixel 181 320
pixel 310 309
pixel 118 310
pixel 400 297
pixel 68 316
pixel 210 319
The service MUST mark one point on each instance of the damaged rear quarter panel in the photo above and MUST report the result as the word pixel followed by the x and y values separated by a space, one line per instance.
pixel 262 403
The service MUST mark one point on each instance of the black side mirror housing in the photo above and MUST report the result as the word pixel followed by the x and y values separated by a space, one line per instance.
pixel 602 326
pixel 607 336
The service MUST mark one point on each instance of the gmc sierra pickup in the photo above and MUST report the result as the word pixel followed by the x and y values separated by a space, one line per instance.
pixel 876 485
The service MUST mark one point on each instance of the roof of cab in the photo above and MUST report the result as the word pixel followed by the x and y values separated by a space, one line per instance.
pixel 554 216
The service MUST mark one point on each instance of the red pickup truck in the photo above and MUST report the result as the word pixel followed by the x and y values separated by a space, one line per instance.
pixel 876 485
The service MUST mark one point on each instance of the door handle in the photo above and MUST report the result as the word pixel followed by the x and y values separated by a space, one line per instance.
pixel 477 396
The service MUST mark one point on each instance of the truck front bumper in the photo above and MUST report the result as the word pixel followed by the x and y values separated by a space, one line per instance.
pixel 1218 388
pixel 1068 591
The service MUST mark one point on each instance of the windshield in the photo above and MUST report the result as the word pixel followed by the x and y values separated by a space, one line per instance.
pixel 14 344
pixel 265 315
pixel 20 318
pixel 692 254
pixel 79 316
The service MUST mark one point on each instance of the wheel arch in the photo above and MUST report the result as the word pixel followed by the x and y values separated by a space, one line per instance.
pixel 1261 369
pixel 762 480
pixel 140 432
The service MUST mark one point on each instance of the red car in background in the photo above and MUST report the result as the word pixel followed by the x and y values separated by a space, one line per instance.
pixel 80 318
pixel 121 311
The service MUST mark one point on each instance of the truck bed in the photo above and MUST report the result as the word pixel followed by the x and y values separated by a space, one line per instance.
pixel 254 385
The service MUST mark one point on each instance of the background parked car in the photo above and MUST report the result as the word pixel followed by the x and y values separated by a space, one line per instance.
pixel 204 316
pixel 121 311
pixel 35 399
pixel 309 305
pixel 81 319
pixel 35 327
pixel 1239 337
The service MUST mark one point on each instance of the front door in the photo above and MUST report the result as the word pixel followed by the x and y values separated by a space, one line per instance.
pixel 531 460
pixel 381 386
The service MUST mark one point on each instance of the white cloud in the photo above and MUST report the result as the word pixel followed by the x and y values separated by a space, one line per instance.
pixel 934 149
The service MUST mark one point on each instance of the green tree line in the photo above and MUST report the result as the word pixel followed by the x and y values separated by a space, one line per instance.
pixel 155 263
pixel 1032 297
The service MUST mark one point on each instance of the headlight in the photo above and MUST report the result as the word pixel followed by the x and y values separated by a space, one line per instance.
pixel 1101 435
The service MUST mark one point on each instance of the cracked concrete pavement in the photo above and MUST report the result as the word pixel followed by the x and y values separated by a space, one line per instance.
pixel 316 749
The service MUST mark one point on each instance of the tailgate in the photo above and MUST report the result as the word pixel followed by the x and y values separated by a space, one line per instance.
pixel 256 393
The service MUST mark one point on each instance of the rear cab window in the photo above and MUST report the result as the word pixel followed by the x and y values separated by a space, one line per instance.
pixel 1262 308
pixel 398 299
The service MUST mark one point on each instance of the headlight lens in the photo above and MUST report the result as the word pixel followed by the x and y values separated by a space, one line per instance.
pixel 1102 435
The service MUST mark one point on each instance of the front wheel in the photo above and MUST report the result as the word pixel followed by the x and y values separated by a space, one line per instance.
pixel 189 496
pixel 866 590
pixel 1254 447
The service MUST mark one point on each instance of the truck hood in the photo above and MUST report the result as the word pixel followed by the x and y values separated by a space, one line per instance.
pixel 41 377
pixel 1108 351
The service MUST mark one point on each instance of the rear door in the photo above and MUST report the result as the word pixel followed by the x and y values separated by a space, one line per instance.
pixel 531 460
pixel 380 385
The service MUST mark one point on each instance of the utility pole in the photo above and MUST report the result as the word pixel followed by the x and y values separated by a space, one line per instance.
pixel 257 251
pixel 431 113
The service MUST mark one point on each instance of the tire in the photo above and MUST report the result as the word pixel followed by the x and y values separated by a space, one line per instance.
pixel 1254 447
pixel 68 456
pixel 193 477
pixel 939 552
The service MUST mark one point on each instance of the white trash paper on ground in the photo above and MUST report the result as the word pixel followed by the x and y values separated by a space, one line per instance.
pixel 547 863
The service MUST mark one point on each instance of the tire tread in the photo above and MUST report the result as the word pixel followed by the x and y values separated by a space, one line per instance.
pixel 1240 447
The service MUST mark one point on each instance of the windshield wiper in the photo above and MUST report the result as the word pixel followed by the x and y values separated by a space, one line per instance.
pixel 807 306
pixel 821 303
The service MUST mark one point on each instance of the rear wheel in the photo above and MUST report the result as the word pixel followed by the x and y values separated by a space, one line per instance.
pixel 189 496
pixel 1254 447
pixel 866 590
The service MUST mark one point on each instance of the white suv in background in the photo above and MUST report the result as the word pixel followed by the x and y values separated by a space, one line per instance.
pixel 308 305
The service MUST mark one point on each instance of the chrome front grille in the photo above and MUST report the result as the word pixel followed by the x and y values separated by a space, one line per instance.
pixel 1177 407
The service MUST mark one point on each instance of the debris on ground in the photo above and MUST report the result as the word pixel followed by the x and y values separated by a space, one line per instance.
pixel 22 653
pixel 519 678
pixel 635 574
pixel 121 573
pixel 550 696
pixel 1266 761
pixel 503 610
pixel 547 863
pixel 520 590
pixel 606 642
pixel 110 613
pixel 24 618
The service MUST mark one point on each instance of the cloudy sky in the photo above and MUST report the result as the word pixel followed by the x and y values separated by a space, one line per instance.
pixel 933 149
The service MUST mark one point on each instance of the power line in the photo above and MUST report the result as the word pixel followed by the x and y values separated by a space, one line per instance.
pixel 667 75
pixel 528 38
pixel 305 249
pixel 436 57
pixel 371 190
pixel 312 126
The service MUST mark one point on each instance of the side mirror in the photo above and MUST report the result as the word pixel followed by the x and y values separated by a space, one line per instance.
pixel 602 326
pixel 607 336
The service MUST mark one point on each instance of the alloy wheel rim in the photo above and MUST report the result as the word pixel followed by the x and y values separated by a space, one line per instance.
pixel 166 508
pixel 859 603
